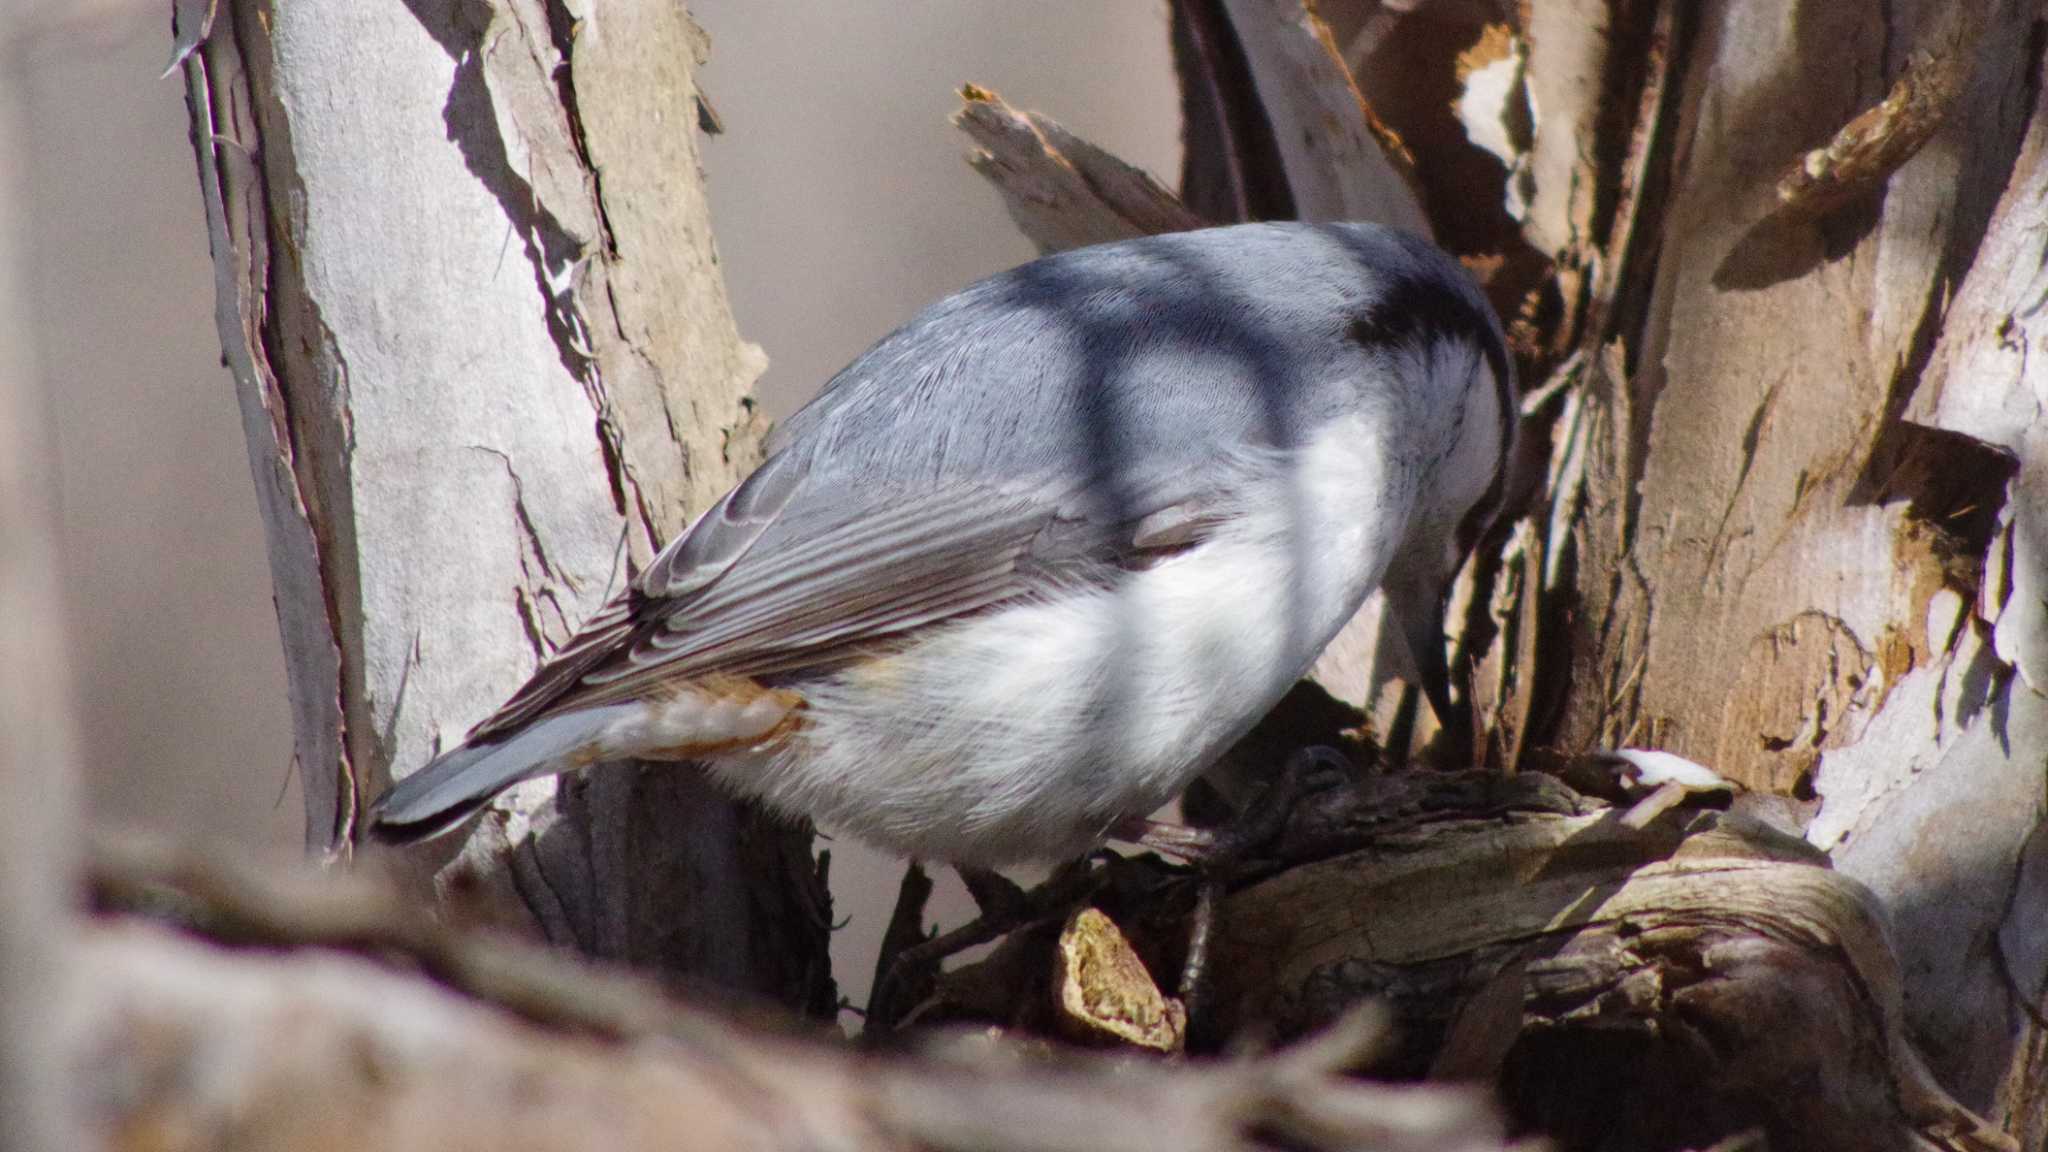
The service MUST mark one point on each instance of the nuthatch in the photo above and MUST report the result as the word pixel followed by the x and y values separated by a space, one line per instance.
pixel 1031 564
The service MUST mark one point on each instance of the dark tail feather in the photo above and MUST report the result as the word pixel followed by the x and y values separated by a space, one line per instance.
pixel 459 783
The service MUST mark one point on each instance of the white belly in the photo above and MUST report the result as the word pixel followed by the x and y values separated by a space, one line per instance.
pixel 1023 734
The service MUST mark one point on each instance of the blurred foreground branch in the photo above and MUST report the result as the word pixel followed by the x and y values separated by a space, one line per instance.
pixel 193 1043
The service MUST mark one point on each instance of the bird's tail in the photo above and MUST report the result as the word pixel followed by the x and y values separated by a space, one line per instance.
pixel 457 784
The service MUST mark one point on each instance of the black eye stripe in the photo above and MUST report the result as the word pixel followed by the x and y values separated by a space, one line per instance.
pixel 1414 311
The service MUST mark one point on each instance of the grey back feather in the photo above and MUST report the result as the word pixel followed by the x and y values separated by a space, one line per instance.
pixel 1125 361
pixel 1048 424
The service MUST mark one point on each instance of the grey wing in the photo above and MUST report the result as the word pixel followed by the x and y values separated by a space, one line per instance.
pixel 705 550
pixel 795 575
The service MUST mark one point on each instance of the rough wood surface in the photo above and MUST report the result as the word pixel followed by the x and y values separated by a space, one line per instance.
pixel 316 1030
pixel 1649 975
pixel 468 284
pixel 1774 572
pixel 1683 931
pixel 1783 529
pixel 1950 833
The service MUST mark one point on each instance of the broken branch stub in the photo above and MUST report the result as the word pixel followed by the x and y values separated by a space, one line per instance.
pixel 1062 191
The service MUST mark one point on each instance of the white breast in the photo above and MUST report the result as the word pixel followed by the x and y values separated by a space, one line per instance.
pixel 1024 733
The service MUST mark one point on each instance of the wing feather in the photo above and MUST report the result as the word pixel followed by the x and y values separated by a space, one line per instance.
pixel 816 585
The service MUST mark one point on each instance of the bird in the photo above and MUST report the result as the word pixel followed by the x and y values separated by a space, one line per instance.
pixel 1031 564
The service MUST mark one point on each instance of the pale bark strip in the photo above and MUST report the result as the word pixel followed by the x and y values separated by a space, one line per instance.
pixel 189 1046
pixel 38 789
pixel 1950 828
pixel 231 190
pixel 1566 76
pixel 1754 436
pixel 492 309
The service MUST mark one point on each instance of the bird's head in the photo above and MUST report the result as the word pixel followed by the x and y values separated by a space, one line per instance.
pixel 1466 411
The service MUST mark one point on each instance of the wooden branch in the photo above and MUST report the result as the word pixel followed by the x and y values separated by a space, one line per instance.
pixel 1515 927
pixel 1872 146
pixel 1341 165
pixel 326 1032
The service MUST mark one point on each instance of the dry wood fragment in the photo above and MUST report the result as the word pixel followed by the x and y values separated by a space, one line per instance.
pixel 1722 946
pixel 1102 992
pixel 1869 148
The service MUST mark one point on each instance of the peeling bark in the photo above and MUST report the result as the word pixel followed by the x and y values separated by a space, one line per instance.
pixel 468 289
pixel 1780 551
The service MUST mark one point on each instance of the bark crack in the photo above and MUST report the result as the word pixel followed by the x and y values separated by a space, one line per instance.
pixel 540 585
pixel 1752 436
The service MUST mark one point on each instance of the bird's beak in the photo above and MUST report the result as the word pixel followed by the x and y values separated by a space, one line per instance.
pixel 1417 603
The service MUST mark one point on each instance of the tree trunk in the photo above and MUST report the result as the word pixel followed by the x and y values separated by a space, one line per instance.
pixel 469 293
pixel 1792 521
pixel 1795 547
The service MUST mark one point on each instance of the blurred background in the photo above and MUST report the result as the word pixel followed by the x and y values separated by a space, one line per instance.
pixel 841 202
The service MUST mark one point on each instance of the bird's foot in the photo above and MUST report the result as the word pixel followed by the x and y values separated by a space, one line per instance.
pixel 1219 854
pixel 1215 850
